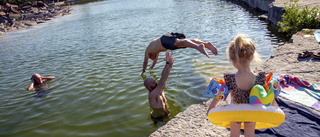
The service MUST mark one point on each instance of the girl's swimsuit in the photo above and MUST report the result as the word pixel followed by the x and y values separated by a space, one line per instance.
pixel 168 40
pixel 241 96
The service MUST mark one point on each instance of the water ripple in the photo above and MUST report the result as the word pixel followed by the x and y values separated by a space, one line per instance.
pixel 96 55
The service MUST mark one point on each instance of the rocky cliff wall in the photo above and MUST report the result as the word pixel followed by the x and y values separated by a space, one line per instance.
pixel 263 5
pixel 273 12
pixel 275 8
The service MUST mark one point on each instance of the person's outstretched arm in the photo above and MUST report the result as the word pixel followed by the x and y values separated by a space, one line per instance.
pixel 31 86
pixel 145 62
pixel 213 104
pixel 164 76
pixel 47 78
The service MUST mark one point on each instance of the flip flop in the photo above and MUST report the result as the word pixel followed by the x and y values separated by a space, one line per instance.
pixel 305 54
pixel 315 56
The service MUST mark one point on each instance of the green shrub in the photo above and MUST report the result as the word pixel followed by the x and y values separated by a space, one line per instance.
pixel 296 19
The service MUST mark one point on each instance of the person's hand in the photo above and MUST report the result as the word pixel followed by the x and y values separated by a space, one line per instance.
pixel 169 58
pixel 143 71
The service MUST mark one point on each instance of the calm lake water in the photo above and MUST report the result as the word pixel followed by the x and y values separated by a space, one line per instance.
pixel 96 55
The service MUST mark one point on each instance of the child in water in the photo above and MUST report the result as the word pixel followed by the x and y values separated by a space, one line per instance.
pixel 241 52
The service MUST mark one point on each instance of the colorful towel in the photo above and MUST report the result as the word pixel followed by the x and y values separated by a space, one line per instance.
pixel 299 91
pixel 300 122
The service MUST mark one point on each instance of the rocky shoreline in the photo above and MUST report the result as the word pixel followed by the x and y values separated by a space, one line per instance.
pixel 274 9
pixel 14 17
pixel 193 122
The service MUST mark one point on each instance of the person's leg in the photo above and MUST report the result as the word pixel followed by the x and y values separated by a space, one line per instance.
pixel 208 45
pixel 197 41
pixel 235 129
pixel 188 43
pixel 212 48
pixel 249 128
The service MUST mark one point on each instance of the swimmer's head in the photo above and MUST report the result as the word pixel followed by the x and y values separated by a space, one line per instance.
pixel 36 78
pixel 150 84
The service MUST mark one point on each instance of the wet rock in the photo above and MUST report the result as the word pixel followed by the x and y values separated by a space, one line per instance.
pixel 30 23
pixel 13 17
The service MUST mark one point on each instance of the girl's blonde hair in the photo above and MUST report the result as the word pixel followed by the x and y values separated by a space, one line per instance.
pixel 241 49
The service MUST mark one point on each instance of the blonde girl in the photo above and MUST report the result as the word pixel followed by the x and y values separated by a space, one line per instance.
pixel 241 52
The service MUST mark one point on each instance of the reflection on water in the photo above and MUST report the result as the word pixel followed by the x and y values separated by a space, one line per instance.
pixel 96 55
pixel 41 90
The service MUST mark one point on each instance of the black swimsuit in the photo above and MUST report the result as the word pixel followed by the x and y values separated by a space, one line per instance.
pixel 168 40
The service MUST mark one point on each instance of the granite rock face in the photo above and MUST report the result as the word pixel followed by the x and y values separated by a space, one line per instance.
pixel 273 12
pixel 263 5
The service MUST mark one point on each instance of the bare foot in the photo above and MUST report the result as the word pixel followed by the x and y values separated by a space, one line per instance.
pixel 202 50
pixel 212 48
